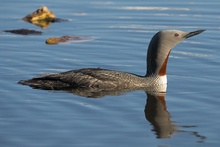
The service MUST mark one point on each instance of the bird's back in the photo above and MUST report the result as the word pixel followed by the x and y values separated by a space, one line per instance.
pixel 87 78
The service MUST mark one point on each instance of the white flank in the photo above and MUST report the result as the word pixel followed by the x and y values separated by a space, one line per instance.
pixel 162 80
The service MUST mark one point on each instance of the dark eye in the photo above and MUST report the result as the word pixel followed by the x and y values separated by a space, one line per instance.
pixel 176 34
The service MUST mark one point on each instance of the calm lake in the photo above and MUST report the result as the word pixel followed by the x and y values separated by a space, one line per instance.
pixel 187 115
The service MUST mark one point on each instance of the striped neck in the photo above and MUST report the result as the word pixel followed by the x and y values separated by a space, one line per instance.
pixel 157 56
pixel 157 64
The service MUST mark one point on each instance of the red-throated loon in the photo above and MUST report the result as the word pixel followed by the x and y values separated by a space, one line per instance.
pixel 157 56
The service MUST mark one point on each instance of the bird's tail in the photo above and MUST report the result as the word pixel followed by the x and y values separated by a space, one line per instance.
pixel 44 84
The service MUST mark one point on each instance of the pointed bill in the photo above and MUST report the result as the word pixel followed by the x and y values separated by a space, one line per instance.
pixel 190 34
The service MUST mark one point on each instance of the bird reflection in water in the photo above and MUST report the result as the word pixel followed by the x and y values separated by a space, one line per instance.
pixel 155 109
pixel 156 113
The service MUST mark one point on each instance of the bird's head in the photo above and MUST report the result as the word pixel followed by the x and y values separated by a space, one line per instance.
pixel 170 38
pixel 160 46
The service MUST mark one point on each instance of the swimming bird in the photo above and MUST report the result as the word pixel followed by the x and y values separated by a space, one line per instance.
pixel 157 57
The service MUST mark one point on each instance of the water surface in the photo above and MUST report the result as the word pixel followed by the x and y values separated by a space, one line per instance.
pixel 122 31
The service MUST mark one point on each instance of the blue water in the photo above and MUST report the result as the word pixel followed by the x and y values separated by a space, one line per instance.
pixel 122 31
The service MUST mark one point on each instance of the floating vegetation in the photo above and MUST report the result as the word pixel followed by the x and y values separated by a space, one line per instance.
pixel 56 40
pixel 24 32
pixel 42 17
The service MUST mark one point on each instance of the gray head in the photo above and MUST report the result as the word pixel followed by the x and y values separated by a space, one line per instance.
pixel 159 49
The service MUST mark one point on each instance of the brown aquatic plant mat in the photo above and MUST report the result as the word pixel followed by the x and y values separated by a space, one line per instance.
pixel 42 17
pixel 43 13
pixel 56 40
pixel 24 32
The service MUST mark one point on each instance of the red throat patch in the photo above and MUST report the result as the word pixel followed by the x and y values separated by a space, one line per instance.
pixel 162 71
